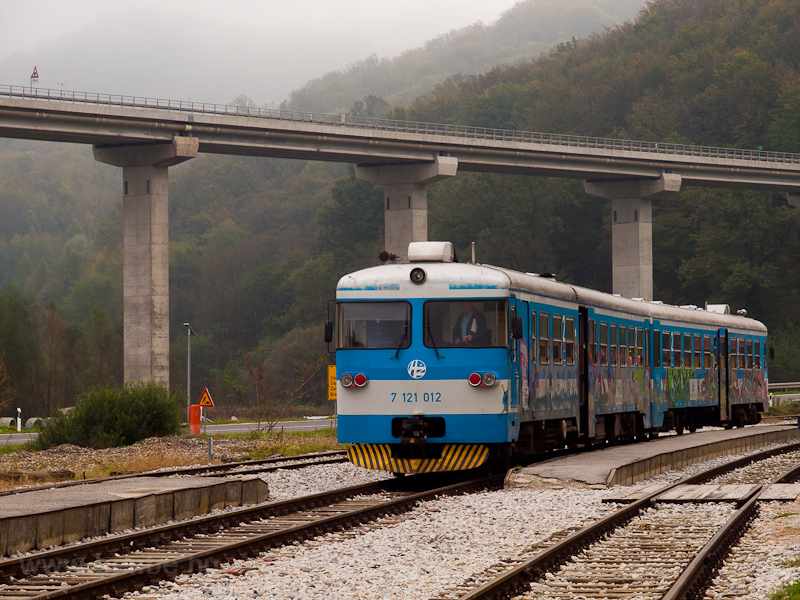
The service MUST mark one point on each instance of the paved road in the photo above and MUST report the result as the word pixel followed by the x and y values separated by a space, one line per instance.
pixel 304 425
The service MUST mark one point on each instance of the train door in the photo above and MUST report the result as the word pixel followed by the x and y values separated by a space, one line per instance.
pixel 523 357
pixel 722 367
pixel 519 365
pixel 585 431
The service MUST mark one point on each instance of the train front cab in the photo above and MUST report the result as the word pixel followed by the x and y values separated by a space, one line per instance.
pixel 410 399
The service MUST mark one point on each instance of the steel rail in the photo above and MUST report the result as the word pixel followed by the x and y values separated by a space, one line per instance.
pixel 331 456
pixel 58 558
pixel 245 543
pixel 699 573
pixel 442 129
pixel 515 580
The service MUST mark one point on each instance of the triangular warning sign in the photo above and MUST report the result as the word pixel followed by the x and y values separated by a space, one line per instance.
pixel 205 399
pixel 35 74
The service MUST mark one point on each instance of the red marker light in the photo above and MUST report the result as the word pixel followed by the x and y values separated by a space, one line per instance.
pixel 475 379
pixel 360 380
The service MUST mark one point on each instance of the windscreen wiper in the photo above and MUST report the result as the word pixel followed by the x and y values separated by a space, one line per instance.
pixel 402 339
pixel 430 334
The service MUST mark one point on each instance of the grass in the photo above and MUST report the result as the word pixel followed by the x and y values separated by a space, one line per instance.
pixel 786 514
pixel 289 443
pixel 790 592
pixel 8 448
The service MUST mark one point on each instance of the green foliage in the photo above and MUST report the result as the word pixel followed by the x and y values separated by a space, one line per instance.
pixel 521 34
pixel 790 592
pixel 111 415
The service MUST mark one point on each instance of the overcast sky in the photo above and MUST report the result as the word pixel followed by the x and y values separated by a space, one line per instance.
pixel 112 44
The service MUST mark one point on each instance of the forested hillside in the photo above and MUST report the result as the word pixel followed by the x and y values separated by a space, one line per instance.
pixel 522 33
pixel 258 244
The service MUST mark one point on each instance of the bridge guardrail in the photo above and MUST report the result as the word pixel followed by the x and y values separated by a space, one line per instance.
pixel 773 387
pixel 449 130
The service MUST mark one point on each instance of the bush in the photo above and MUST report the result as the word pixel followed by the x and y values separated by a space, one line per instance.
pixel 109 416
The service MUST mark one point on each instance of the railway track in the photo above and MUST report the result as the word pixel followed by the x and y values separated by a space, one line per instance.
pixel 642 550
pixel 128 562
pixel 249 467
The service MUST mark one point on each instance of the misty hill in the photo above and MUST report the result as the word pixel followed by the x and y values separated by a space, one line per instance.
pixel 522 33
pixel 220 62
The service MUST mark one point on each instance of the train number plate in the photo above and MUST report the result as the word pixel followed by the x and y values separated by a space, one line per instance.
pixel 416 397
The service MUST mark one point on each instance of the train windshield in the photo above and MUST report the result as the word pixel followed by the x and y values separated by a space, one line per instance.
pixel 469 323
pixel 374 325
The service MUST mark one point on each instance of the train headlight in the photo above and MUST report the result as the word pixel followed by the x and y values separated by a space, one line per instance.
pixel 475 379
pixel 489 379
pixel 417 275
pixel 347 380
pixel 360 380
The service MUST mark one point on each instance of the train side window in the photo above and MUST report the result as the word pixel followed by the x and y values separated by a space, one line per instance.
pixel 697 352
pixel 676 349
pixel 687 349
pixel 623 346
pixel 631 346
pixel 639 347
pixel 592 351
pixel 749 354
pixel 612 345
pixel 603 344
pixel 733 358
pixel 569 340
pixel 666 352
pixel 742 355
pixel 544 338
pixel 758 354
pixel 657 349
pixel 707 351
pixel 558 338
pixel 533 336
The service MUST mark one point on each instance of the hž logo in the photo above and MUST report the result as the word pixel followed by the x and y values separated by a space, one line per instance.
pixel 417 368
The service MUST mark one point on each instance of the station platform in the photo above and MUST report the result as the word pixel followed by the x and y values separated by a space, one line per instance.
pixel 627 464
pixel 40 518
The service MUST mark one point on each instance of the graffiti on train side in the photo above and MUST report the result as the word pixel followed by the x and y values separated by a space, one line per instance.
pixel 552 387
pixel 689 386
pixel 748 385
pixel 612 386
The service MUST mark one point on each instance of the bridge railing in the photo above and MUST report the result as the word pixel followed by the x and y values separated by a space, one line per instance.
pixel 442 129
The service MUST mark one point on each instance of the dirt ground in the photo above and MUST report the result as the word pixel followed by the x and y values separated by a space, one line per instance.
pixel 152 453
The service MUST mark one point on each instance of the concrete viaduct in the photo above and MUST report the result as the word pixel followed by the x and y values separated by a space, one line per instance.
pixel 146 136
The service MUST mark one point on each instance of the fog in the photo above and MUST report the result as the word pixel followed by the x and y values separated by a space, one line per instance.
pixel 198 50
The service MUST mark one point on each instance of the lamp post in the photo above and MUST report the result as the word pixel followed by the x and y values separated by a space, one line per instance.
pixel 189 333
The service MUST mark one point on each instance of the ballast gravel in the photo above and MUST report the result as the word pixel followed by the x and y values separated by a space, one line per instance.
pixel 437 545
pixel 442 543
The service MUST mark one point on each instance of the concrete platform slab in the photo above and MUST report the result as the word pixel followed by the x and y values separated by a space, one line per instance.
pixel 39 518
pixel 625 465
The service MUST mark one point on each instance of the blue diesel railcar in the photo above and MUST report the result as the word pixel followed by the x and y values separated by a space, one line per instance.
pixel 539 365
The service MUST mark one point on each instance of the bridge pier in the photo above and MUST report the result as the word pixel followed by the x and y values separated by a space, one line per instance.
pixel 632 229
pixel 405 198
pixel 145 246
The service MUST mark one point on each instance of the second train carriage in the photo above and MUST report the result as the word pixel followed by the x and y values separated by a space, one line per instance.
pixel 550 364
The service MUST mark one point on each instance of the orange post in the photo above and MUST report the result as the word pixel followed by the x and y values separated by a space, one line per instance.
pixel 195 417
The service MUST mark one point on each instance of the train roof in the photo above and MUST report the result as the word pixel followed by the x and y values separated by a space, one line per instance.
pixel 460 280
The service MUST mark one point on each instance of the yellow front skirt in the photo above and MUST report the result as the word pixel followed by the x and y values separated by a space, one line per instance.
pixel 455 457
